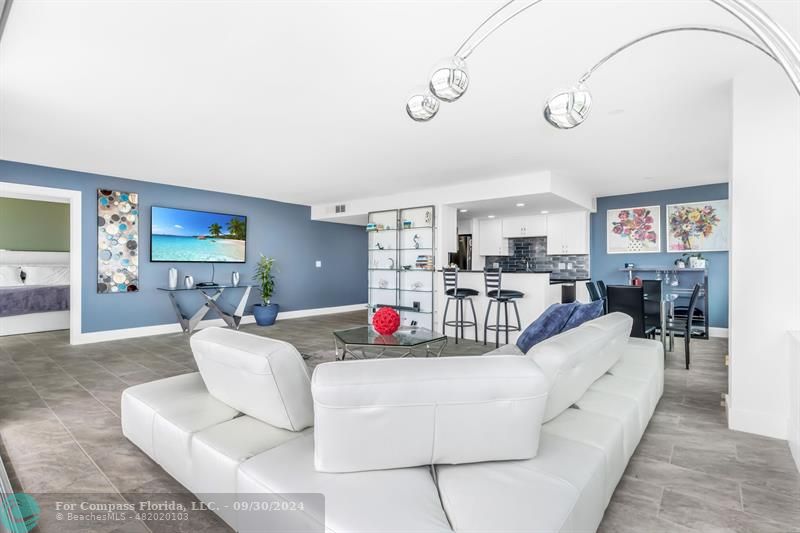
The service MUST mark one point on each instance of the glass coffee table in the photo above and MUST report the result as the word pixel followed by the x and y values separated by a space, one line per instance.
pixel 365 343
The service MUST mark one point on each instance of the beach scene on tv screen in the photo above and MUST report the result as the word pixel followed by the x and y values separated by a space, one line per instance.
pixel 181 235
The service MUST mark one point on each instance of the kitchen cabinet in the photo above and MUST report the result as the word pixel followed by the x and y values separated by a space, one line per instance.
pixel 491 241
pixel 528 226
pixel 568 233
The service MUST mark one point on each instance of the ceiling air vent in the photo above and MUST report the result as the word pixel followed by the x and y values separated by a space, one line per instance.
pixel 341 208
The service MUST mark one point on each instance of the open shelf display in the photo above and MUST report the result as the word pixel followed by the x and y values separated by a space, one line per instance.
pixel 401 265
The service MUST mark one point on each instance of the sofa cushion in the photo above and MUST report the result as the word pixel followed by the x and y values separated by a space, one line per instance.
pixel 263 378
pixel 562 489
pixel 583 313
pixel 549 323
pixel 141 403
pixel 410 412
pixel 620 408
pixel 575 359
pixel 217 453
pixel 601 432
pixel 380 501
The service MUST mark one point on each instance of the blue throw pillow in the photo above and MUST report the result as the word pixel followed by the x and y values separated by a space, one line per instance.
pixel 550 323
pixel 584 313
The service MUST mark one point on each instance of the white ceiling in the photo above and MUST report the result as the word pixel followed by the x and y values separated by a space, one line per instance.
pixel 304 101
pixel 533 204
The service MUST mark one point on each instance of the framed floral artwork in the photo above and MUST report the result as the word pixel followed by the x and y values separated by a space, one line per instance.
pixel 634 230
pixel 698 226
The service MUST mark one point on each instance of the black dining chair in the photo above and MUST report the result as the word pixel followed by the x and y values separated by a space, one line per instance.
pixel 629 299
pixel 686 326
pixel 594 294
pixel 652 302
pixel 601 287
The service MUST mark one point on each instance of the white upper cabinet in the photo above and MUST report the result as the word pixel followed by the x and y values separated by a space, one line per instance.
pixel 490 238
pixel 568 233
pixel 529 226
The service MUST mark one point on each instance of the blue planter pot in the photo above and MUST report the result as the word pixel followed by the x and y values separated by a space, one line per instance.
pixel 265 314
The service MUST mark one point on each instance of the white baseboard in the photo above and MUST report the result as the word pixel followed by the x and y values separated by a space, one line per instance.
pixel 760 423
pixel 161 329
pixel 34 323
pixel 718 332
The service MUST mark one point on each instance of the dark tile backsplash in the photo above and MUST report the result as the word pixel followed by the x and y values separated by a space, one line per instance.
pixel 530 254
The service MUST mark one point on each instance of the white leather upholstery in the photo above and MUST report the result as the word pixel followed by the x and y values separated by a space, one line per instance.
pixel 218 451
pixel 562 489
pixel 141 402
pixel 582 452
pixel 403 500
pixel 411 412
pixel 595 430
pixel 161 416
pixel 263 378
pixel 573 360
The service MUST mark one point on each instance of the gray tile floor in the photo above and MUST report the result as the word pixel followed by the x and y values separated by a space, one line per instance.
pixel 60 431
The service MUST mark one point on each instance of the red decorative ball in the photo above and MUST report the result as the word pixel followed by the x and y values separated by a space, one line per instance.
pixel 386 321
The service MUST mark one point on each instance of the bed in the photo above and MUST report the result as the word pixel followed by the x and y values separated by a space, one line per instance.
pixel 34 292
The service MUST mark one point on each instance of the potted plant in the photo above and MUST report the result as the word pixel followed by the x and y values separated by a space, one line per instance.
pixel 696 260
pixel 265 312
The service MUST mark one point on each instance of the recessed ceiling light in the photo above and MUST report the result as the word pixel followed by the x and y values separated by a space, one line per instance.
pixel 491 216
pixel 520 204
pixel 463 210
pixel 545 212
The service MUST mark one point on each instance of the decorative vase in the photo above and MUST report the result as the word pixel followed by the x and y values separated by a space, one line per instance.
pixel 173 278
pixel 188 282
pixel 235 279
pixel 265 315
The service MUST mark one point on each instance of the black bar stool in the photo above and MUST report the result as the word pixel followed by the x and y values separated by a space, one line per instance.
pixel 454 292
pixel 493 278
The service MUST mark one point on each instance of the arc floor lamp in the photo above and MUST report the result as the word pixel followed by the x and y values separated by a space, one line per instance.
pixel 570 108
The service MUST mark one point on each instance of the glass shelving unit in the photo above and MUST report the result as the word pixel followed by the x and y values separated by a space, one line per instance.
pixel 401 265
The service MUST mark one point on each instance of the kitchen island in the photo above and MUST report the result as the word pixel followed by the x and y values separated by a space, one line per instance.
pixel 535 285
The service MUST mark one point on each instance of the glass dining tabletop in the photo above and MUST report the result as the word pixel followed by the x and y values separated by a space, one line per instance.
pixel 405 336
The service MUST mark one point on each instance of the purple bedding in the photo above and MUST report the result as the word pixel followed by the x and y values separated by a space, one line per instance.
pixel 35 299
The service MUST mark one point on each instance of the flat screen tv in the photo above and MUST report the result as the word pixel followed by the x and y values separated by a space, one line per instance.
pixel 186 236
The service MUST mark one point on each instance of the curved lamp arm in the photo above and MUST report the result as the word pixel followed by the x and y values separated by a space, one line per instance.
pixel 781 45
pixel 711 29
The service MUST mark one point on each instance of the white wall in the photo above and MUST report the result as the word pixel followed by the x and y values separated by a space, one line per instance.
pixel 794 398
pixel 765 249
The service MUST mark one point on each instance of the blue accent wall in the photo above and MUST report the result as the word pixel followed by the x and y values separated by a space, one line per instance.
pixel 277 229
pixel 606 266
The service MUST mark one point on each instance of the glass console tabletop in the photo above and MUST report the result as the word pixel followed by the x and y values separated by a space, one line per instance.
pixel 405 339
pixel 206 287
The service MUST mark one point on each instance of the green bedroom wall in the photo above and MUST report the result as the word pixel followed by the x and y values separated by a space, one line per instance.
pixel 34 226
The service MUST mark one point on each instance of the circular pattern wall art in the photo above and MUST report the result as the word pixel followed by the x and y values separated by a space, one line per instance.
pixel 117 241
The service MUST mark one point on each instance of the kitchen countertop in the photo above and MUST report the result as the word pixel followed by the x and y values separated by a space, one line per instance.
pixel 557 281
pixel 505 271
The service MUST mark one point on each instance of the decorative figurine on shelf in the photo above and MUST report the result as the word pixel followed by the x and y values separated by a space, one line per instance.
pixel 391 263
pixel 266 312
pixel 383 283
pixel 417 285
pixel 406 267
pixel 428 218
pixel 386 321
pixel 380 246
pixel 680 263
pixel 416 241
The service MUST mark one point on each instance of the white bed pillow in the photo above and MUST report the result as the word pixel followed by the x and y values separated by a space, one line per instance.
pixel 10 276
pixel 46 275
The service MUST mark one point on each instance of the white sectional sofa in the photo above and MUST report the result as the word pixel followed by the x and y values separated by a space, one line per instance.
pixel 560 424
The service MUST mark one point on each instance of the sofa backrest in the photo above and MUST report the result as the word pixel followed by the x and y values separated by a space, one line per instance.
pixel 575 359
pixel 263 378
pixel 395 413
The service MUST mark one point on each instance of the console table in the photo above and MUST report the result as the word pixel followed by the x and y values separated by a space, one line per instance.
pixel 189 322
